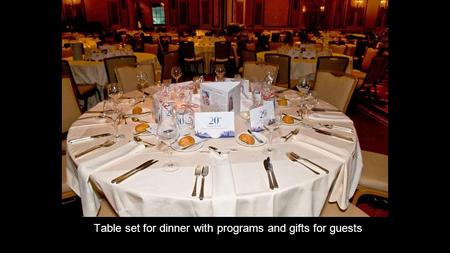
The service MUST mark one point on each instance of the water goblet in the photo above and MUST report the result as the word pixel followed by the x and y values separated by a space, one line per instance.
pixel 142 80
pixel 220 73
pixel 176 73
pixel 167 133
pixel 271 125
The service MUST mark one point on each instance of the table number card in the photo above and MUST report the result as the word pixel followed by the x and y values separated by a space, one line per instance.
pixel 259 114
pixel 214 124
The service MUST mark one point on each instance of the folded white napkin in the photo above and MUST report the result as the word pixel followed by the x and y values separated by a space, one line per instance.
pixel 89 199
pixel 224 194
pixel 330 116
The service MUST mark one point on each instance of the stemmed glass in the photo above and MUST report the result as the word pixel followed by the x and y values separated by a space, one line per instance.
pixel 115 92
pixel 167 133
pixel 176 73
pixel 220 73
pixel 142 80
pixel 271 125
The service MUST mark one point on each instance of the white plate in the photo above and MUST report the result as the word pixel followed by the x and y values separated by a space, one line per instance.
pixel 194 147
pixel 257 143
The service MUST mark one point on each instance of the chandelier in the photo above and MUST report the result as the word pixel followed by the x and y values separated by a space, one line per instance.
pixel 384 3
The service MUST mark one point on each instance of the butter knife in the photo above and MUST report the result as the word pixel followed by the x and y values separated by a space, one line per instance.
pixel 122 177
pixel 274 179
pixel 254 136
pixel 333 134
pixel 266 167
pixel 88 138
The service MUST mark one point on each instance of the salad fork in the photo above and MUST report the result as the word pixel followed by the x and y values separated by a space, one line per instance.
pixel 292 158
pixel 198 172
pixel 306 159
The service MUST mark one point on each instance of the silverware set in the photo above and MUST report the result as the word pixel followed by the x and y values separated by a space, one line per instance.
pixel 141 167
pixel 320 131
pixel 296 158
pixel 75 140
pixel 273 183
pixel 200 171
pixel 290 134
pixel 107 143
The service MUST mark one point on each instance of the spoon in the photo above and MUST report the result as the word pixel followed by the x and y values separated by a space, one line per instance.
pixel 105 144
pixel 138 139
pixel 134 119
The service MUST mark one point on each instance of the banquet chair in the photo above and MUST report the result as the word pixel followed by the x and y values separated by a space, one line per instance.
pixel 275 45
pixel 367 58
pixel 70 111
pixel 127 75
pixel 284 68
pixel 222 54
pixel 164 42
pixel 82 91
pixel 188 57
pixel 151 48
pixel 339 49
pixel 169 60
pixel 256 71
pixel 66 52
pixel 335 88
pixel 333 210
pixel 350 50
pixel 359 52
pixel 247 56
pixel 332 63
pixel 374 176
pixel 374 75
pixel 116 61
pixel 250 46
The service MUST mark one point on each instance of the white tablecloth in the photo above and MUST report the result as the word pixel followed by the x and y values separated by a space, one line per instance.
pixel 237 184
pixel 302 67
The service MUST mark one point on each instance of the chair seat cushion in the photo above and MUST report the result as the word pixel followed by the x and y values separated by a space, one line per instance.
pixel 375 171
pixel 85 89
pixel 358 74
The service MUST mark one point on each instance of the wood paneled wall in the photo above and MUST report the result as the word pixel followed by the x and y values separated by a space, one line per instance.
pixel 254 14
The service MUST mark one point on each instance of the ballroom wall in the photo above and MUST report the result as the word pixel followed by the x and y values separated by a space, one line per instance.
pixel 215 14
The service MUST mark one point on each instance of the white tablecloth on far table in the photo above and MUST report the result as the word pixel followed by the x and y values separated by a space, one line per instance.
pixel 302 67
pixel 237 184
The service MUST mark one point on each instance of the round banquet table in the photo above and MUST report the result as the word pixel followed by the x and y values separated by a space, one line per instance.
pixel 237 184
pixel 301 67
pixel 94 71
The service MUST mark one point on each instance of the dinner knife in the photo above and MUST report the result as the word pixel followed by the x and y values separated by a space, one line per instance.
pixel 266 167
pixel 274 179
pixel 133 171
pixel 254 136
pixel 333 134
pixel 146 93
pixel 325 110
pixel 88 138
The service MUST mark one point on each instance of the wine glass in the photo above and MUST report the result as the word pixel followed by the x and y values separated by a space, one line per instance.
pixel 220 73
pixel 176 73
pixel 271 125
pixel 115 92
pixel 167 133
pixel 142 80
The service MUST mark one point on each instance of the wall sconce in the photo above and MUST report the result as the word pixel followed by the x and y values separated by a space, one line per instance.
pixel 383 3
pixel 304 8
pixel 357 3
pixel 322 8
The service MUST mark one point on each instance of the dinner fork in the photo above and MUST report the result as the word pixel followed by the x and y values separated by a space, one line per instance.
pixel 306 159
pixel 289 135
pixel 204 174
pixel 198 172
pixel 292 158
pixel 105 144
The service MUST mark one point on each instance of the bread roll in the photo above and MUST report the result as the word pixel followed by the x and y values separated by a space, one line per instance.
pixel 137 110
pixel 282 102
pixel 141 127
pixel 247 138
pixel 288 119
pixel 186 141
